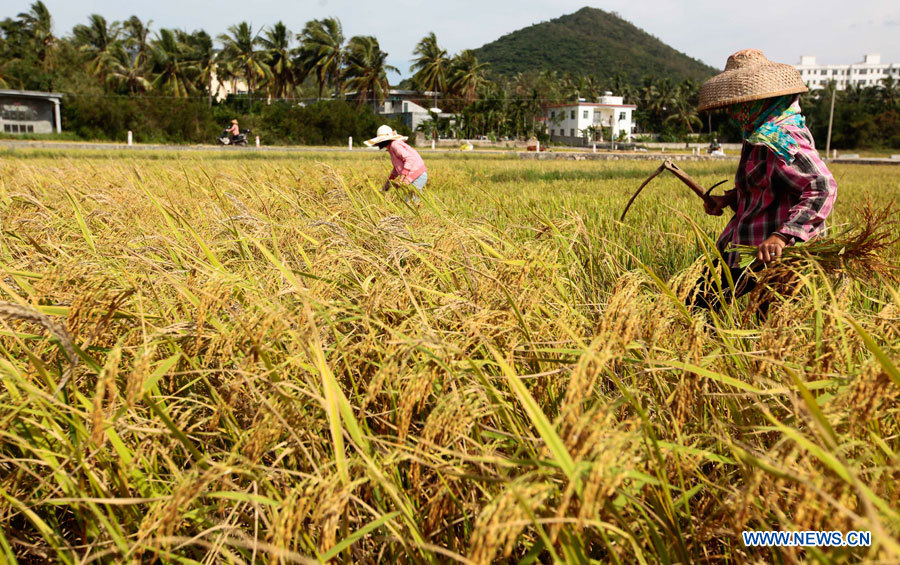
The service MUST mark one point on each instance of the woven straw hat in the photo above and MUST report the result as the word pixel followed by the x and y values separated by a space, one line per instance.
pixel 384 133
pixel 749 76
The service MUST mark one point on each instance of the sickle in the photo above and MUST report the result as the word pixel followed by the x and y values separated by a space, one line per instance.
pixel 668 165
pixel 660 169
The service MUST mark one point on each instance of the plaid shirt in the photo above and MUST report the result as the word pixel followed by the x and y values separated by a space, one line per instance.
pixel 772 196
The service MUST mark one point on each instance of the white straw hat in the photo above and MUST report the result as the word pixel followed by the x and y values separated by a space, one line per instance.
pixel 384 133
pixel 749 76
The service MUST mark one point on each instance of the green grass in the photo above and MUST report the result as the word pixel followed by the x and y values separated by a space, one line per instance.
pixel 279 362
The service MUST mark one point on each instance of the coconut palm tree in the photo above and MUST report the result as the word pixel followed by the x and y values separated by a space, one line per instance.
pixel 682 108
pixel 203 55
pixel 467 74
pixel 366 69
pixel 126 72
pixel 172 65
pixel 96 40
pixel 38 25
pixel 279 56
pixel 137 38
pixel 322 52
pixel 4 63
pixel 430 66
pixel 890 91
pixel 240 50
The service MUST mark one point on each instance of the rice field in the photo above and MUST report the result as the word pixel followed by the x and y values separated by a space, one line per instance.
pixel 263 358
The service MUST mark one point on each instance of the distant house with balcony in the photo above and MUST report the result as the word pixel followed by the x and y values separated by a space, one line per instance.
pixel 582 122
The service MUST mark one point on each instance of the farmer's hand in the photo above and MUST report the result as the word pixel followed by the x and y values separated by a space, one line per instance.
pixel 714 205
pixel 770 249
pixel 386 185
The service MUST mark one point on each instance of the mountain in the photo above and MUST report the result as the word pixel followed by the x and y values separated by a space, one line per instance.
pixel 590 42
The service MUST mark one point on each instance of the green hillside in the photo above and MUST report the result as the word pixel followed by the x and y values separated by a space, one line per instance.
pixel 590 42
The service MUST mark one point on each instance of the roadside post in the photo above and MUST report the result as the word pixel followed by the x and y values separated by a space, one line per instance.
pixel 830 118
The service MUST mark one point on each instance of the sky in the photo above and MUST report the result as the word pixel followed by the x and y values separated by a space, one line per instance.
pixel 836 32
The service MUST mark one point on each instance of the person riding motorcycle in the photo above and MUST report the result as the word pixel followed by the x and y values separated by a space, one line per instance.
pixel 234 135
pixel 234 130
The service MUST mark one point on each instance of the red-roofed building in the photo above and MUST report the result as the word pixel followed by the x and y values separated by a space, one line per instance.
pixel 581 122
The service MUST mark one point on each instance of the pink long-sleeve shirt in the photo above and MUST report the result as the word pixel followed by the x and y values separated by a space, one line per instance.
pixel 408 164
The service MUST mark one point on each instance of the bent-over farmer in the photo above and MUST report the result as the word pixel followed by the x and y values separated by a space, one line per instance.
pixel 783 192
pixel 409 168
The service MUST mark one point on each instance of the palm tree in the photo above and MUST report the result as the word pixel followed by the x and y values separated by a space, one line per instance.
pixel 890 89
pixel 126 72
pixel 38 24
pixel 573 87
pixel 366 69
pixel 203 56
pixel 430 66
pixel 682 109
pixel 467 74
pixel 174 70
pixel 279 56
pixel 322 51
pixel 240 50
pixel 96 40
pixel 137 35
pixel 4 63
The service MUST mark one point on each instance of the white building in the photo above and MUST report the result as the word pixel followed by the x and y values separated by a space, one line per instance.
pixel 580 122
pixel 220 89
pixel 406 106
pixel 867 73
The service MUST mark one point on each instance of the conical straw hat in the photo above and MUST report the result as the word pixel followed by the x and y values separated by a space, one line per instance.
pixel 749 76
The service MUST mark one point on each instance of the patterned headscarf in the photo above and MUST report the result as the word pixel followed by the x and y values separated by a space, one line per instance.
pixel 763 123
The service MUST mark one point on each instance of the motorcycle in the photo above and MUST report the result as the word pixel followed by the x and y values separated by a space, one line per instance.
pixel 239 139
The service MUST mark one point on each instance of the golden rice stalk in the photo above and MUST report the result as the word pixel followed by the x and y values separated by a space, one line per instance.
pixel 106 386
pixel 12 311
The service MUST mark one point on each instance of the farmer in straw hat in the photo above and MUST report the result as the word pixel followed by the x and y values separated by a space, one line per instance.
pixel 409 168
pixel 783 192
pixel 233 129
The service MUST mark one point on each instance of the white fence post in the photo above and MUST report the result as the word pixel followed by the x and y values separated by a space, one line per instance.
pixel 595 148
pixel 432 144
pixel 129 137
pixel 350 142
pixel 257 141
pixel 537 146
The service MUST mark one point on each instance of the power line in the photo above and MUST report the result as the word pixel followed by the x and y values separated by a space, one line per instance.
pixel 242 98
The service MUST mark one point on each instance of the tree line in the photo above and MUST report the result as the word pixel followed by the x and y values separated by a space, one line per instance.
pixel 141 75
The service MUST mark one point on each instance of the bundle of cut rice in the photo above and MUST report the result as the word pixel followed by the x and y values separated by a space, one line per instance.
pixel 861 252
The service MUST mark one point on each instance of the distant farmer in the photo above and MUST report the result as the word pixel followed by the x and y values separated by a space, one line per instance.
pixel 234 130
pixel 409 168
pixel 783 192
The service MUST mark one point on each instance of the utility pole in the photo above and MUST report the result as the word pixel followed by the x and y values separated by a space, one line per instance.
pixel 830 119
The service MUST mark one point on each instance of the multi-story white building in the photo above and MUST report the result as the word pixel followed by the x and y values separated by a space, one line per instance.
pixel 867 73
pixel 581 122
pixel 221 89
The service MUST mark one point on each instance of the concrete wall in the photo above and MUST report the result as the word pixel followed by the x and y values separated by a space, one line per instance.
pixel 682 146
pixel 25 112
pixel 517 143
